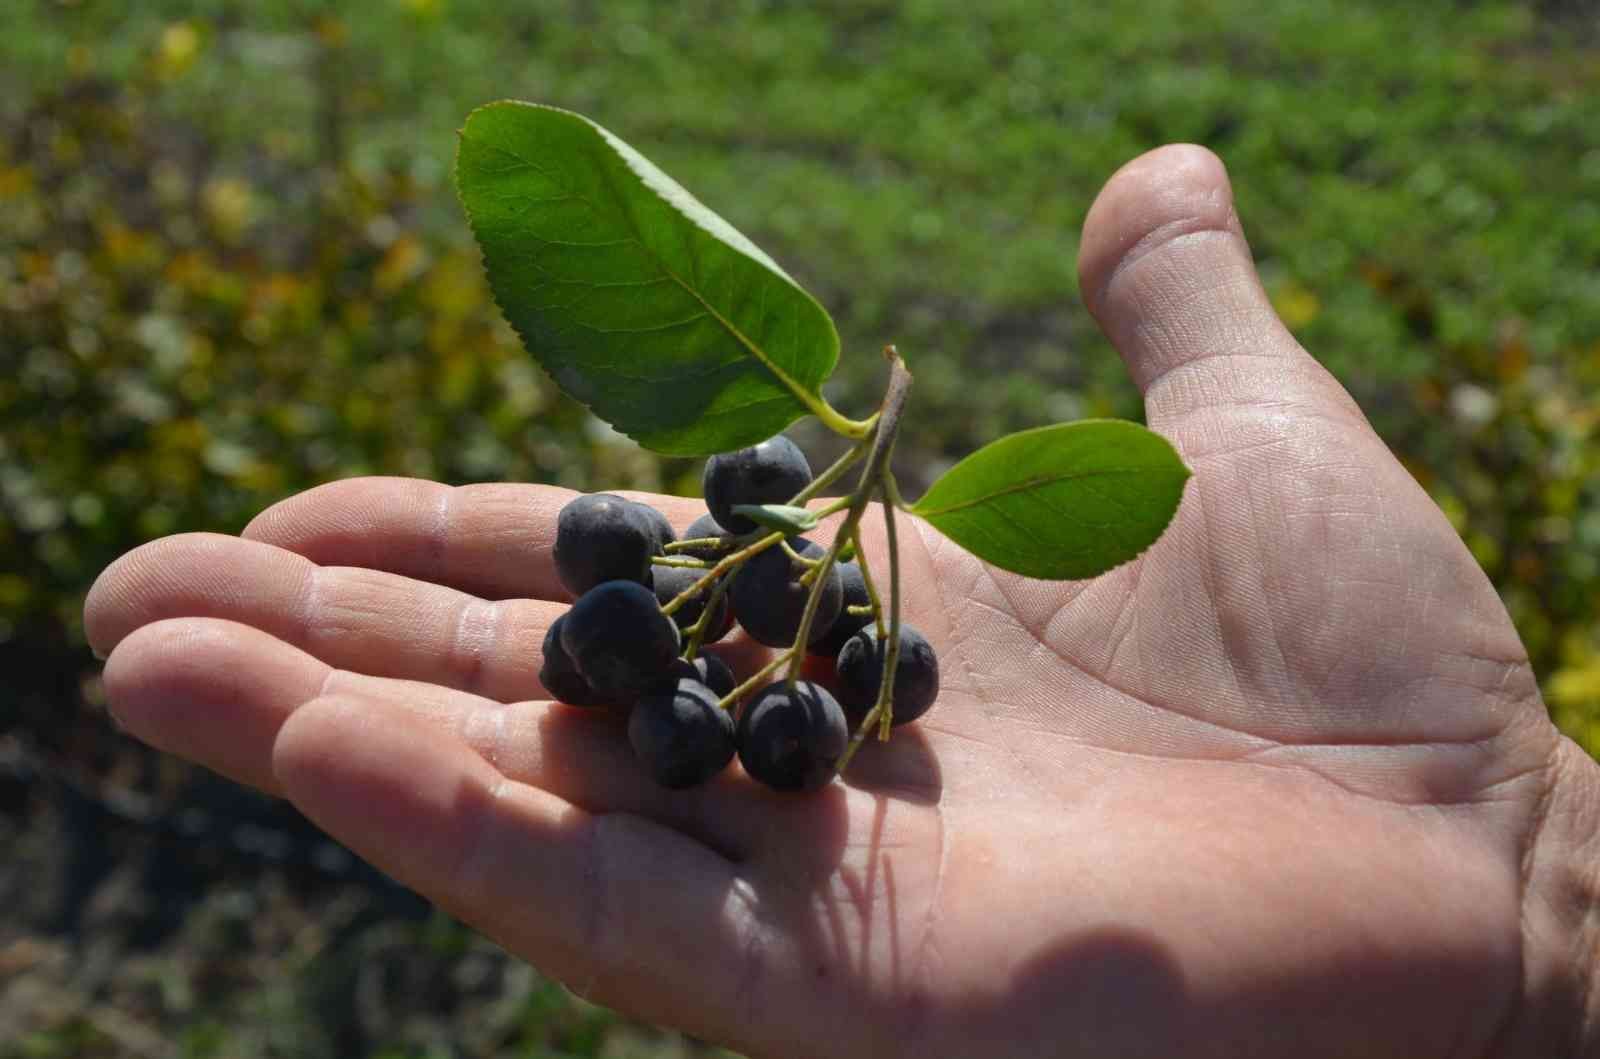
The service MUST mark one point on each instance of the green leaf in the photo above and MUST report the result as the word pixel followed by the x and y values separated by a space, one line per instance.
pixel 1060 502
pixel 638 300
pixel 778 516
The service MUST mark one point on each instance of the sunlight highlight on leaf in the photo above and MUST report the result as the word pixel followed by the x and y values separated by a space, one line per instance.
pixel 1060 502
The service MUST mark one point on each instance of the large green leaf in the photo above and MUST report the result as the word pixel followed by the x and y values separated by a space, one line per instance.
pixel 1060 502
pixel 638 300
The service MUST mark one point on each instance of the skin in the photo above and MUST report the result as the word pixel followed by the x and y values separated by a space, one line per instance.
pixel 1282 786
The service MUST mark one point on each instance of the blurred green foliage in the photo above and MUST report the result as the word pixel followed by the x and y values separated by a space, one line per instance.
pixel 231 263
pixel 234 266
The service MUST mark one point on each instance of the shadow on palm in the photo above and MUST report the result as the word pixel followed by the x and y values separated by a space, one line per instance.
pixel 1255 727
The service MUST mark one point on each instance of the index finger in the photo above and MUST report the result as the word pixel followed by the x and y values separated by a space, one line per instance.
pixel 633 913
pixel 493 540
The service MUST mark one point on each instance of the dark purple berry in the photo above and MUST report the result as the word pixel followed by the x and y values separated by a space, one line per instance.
pixel 681 735
pixel 769 600
pixel 791 737
pixel 769 473
pixel 701 528
pixel 661 530
pixel 715 674
pixel 619 640
pixel 860 671
pixel 559 675
pixel 600 538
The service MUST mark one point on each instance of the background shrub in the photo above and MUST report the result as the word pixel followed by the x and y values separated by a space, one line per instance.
pixel 232 267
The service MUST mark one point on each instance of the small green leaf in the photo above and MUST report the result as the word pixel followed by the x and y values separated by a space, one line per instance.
pixel 1060 502
pixel 638 300
pixel 778 516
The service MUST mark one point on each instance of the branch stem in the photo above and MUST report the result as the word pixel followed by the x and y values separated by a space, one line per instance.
pixel 836 421
pixel 870 483
pixel 891 659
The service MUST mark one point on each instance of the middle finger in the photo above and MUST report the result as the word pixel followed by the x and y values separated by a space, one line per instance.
pixel 366 621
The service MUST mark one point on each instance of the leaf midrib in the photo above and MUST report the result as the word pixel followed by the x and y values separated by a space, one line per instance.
pixel 1029 483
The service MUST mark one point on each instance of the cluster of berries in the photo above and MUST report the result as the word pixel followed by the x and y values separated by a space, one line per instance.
pixel 618 647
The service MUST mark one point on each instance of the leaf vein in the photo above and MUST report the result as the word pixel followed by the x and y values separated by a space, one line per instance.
pixel 645 330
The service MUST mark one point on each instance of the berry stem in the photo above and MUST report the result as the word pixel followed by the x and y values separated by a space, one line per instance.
pixel 697 631
pixel 834 507
pixel 726 563
pixel 672 560
pixel 727 701
pixel 802 637
pixel 872 589
pixel 795 556
pixel 720 543
pixel 834 472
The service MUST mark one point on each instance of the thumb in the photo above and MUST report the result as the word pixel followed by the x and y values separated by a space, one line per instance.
pixel 1165 269
pixel 1332 577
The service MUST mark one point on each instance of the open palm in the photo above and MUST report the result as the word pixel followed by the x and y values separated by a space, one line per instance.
pixel 1268 790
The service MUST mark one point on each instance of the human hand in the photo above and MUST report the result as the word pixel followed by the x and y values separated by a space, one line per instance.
pixel 1282 786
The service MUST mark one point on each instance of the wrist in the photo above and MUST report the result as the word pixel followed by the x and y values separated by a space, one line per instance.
pixel 1559 1011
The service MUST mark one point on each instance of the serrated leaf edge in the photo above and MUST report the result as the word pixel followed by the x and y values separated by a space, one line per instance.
pixel 649 174
pixel 930 515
